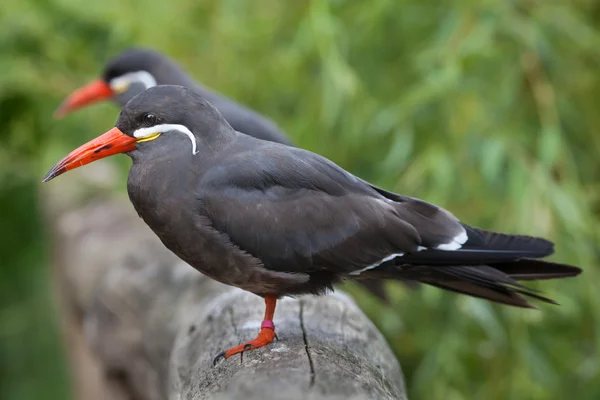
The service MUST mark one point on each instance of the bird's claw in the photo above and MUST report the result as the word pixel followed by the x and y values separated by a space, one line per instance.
pixel 218 358
pixel 265 337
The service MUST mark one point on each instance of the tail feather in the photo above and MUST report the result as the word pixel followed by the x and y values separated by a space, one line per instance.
pixel 530 270
pixel 497 295
pixel 491 279
pixel 483 275
pixel 529 246
pixel 483 248
pixel 488 266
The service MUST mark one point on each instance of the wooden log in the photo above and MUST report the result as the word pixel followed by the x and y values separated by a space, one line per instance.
pixel 147 326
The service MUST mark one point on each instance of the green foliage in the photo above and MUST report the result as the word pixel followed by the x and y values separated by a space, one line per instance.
pixel 488 108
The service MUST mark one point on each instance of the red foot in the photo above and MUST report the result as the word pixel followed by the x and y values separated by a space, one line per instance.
pixel 266 336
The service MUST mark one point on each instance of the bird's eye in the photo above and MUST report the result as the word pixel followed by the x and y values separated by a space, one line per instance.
pixel 150 119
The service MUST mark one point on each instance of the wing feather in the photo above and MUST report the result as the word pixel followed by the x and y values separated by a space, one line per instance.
pixel 302 213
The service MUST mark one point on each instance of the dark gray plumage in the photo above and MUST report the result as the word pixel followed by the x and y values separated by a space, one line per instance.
pixel 277 220
pixel 164 71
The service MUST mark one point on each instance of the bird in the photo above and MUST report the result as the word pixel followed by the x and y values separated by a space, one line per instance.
pixel 136 69
pixel 279 221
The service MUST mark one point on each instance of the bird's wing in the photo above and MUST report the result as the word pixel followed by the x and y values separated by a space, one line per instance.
pixel 299 212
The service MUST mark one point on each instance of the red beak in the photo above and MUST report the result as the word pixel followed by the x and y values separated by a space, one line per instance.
pixel 112 142
pixel 90 93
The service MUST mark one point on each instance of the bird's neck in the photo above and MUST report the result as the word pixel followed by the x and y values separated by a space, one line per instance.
pixel 155 182
pixel 158 174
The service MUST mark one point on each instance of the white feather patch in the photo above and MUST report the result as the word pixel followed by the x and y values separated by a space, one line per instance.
pixel 163 128
pixel 456 242
pixel 121 83
pixel 378 263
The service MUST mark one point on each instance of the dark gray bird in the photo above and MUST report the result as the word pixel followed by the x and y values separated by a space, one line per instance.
pixel 276 220
pixel 135 70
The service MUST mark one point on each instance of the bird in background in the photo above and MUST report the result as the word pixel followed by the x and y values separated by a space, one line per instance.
pixel 281 221
pixel 135 70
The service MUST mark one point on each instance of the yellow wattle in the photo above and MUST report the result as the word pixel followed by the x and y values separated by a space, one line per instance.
pixel 149 138
pixel 118 89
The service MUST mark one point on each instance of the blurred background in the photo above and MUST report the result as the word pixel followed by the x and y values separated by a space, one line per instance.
pixel 489 109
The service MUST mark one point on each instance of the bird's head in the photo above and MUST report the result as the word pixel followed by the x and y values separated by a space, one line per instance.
pixel 165 119
pixel 126 75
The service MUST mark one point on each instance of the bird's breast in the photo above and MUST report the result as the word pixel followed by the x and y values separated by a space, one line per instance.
pixel 163 195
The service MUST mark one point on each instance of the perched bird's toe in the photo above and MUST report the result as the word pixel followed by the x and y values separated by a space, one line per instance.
pixel 266 336
pixel 218 357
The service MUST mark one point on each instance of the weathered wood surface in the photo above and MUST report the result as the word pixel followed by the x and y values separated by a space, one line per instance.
pixel 140 324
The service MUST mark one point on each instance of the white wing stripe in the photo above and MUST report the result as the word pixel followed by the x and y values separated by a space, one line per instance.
pixel 378 263
pixel 456 242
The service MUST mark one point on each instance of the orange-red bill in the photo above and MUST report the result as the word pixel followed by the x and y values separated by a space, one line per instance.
pixel 90 93
pixel 112 142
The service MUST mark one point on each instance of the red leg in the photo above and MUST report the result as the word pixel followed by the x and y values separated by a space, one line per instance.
pixel 265 336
